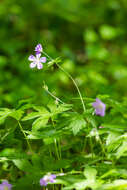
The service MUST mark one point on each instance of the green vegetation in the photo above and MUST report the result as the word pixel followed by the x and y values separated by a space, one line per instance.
pixel 46 125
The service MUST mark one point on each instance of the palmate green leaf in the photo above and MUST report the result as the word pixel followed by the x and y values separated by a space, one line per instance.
pixel 40 112
pixel 44 113
pixel 77 123
pixel 57 109
pixel 40 109
pixel 34 115
pixel 43 119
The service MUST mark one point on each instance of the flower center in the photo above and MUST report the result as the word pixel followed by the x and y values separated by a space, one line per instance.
pixel 5 188
pixel 100 106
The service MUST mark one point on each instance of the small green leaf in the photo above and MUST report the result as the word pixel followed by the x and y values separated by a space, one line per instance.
pixel 77 123
pixel 34 115
pixel 23 165
pixel 39 123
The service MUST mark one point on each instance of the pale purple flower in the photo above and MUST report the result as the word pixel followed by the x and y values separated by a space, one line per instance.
pixel 36 61
pixel 99 107
pixel 5 186
pixel 49 178
pixel 38 48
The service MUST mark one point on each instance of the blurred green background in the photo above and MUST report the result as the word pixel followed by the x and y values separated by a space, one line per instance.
pixel 90 36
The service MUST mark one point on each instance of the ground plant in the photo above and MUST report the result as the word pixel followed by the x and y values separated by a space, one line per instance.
pixel 63 104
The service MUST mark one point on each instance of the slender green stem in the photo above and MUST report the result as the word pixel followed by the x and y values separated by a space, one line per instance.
pixel 56 98
pixel 91 145
pixel 50 153
pixel 58 150
pixel 80 95
pixel 57 153
pixel 101 143
pixel 84 144
pixel 55 142
pixel 81 98
pixel 102 146
pixel 25 136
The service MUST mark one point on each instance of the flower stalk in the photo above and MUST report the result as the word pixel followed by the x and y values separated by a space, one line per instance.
pixel 74 82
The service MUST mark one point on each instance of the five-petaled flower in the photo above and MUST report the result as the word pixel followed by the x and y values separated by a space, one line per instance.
pixel 5 186
pixel 99 107
pixel 49 178
pixel 37 61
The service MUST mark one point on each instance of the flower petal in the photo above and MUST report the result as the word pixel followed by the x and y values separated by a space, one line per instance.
pixel 38 48
pixel 38 55
pixel 43 182
pixel 1 187
pixel 43 59
pixel 53 176
pixel 6 185
pixel 100 107
pixel 31 58
pixel 39 66
pixel 32 65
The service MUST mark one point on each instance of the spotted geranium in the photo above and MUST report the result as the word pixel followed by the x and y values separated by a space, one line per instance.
pixel 49 178
pixel 5 186
pixel 36 61
pixel 100 107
